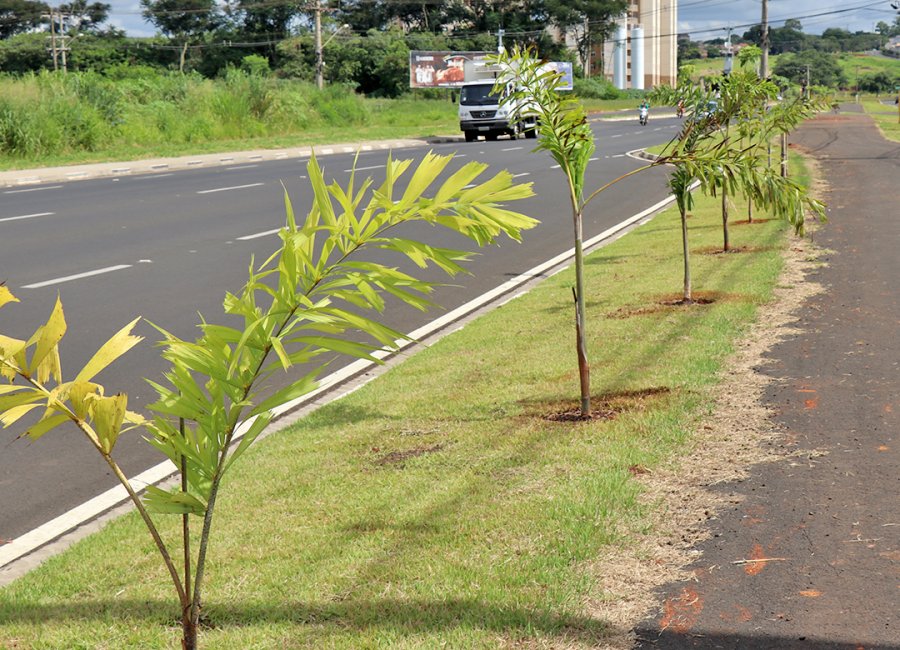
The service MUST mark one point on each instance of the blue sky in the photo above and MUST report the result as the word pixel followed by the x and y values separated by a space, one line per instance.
pixel 703 19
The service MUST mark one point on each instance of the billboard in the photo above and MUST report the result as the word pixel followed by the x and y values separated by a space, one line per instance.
pixel 564 69
pixel 443 69
pixel 440 69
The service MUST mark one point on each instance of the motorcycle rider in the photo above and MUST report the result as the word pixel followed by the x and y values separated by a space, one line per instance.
pixel 644 112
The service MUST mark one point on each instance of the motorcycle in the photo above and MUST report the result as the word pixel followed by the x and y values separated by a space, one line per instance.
pixel 644 116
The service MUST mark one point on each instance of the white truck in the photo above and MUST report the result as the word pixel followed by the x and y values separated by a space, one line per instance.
pixel 480 112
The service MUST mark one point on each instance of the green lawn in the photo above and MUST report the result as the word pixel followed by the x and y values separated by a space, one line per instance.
pixel 438 506
pixel 886 117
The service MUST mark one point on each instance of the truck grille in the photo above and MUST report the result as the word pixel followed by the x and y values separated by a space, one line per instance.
pixel 483 114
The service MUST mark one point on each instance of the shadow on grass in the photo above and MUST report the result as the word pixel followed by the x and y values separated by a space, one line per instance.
pixel 413 616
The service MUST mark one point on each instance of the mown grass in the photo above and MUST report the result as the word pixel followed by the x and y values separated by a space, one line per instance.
pixel 438 506
pixel 886 116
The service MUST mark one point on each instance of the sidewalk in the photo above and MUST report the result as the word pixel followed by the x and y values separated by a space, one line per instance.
pixel 809 556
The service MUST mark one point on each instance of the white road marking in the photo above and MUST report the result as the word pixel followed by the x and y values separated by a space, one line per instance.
pixel 77 276
pixel 33 189
pixel 257 235
pixel 616 136
pixel 233 187
pixel 326 151
pixel 593 159
pixel 555 167
pixel 362 169
pixel 228 169
pixel 522 174
pixel 157 175
pixel 512 148
pixel 27 216
pixel 619 155
pixel 34 539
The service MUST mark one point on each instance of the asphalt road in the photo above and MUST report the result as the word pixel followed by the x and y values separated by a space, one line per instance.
pixel 168 246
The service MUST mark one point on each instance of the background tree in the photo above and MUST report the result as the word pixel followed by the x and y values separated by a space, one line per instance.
pixel 184 21
pixel 824 69
pixel 85 17
pixel 18 16
pixel 590 20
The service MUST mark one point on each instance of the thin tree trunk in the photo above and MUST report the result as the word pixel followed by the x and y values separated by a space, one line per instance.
pixel 182 57
pixel 189 630
pixel 584 370
pixel 725 218
pixel 784 155
pixel 749 209
pixel 687 257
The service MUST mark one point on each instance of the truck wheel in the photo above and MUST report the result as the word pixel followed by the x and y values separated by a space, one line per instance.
pixel 471 136
pixel 490 137
pixel 531 134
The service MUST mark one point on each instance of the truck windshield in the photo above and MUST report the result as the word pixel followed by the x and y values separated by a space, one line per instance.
pixel 478 95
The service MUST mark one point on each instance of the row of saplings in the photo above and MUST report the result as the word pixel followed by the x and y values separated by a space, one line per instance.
pixel 211 407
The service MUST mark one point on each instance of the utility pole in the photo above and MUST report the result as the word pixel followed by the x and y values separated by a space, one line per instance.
pixel 58 42
pixel 53 51
pixel 729 54
pixel 320 62
pixel 807 81
pixel 500 33
pixel 764 59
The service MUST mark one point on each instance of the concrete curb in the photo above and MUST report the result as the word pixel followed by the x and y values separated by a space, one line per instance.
pixel 25 177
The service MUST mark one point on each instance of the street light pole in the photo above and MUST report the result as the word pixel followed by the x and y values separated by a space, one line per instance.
pixel 320 62
pixel 764 59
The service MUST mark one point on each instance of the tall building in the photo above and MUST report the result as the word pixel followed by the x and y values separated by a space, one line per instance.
pixel 642 51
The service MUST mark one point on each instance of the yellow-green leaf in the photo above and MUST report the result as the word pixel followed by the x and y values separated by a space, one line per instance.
pixel 50 335
pixel 45 425
pixel 109 413
pixel 11 416
pixel 81 394
pixel 6 295
pixel 120 343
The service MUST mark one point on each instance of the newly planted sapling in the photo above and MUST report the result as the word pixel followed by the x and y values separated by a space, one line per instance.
pixel 311 300
pixel 699 153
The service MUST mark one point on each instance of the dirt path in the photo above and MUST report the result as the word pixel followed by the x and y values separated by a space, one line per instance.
pixel 808 554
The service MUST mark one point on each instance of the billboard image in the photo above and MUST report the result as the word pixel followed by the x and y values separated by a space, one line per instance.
pixel 440 69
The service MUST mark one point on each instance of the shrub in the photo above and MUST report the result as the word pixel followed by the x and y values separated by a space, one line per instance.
pixel 596 88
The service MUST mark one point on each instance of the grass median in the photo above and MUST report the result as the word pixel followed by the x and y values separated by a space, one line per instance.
pixel 446 503
pixel 886 116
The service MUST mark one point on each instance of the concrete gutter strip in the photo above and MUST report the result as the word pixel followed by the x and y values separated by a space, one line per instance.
pixel 106 170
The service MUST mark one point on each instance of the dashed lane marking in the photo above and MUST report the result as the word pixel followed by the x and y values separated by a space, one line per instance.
pixel 233 187
pixel 77 276
pixel 27 216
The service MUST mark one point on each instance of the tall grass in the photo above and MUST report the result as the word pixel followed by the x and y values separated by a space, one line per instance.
pixel 50 115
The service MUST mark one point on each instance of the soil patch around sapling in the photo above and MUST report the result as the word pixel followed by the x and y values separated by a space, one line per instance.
pixel 606 406
pixel 718 250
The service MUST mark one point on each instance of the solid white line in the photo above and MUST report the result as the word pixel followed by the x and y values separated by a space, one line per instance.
pixel 28 216
pixel 259 234
pixel 77 276
pixel 362 169
pixel 225 189
pixel 33 189
pixel 49 531
pixel 228 169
